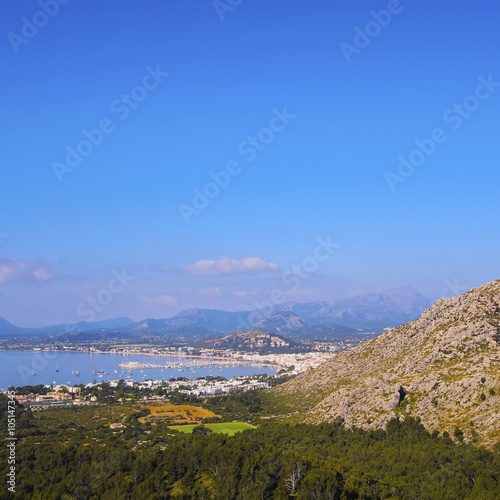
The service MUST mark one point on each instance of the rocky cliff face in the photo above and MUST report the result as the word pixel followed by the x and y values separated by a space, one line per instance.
pixel 443 367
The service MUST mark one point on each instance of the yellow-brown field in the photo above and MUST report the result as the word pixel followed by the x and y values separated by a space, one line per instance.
pixel 175 414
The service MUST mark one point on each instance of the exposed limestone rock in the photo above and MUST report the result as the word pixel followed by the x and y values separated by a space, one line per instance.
pixel 443 367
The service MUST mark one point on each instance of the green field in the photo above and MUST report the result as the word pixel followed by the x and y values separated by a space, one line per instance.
pixel 227 428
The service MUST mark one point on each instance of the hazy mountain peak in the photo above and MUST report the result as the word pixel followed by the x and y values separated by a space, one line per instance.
pixel 7 327
pixel 189 312
pixel 280 322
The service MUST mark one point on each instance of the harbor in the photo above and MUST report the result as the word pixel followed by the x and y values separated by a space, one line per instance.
pixel 20 368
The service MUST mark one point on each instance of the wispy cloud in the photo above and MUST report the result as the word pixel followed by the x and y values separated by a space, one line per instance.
pixel 212 292
pixel 168 300
pixel 26 271
pixel 225 265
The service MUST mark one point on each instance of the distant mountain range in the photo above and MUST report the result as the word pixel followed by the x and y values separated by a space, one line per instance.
pixel 7 328
pixel 85 326
pixel 337 319
pixel 371 311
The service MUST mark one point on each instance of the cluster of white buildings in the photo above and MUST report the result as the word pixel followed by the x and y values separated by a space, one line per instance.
pixel 301 362
pixel 213 388
pixel 198 387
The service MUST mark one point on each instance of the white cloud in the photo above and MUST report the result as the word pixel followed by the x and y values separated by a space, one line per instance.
pixel 225 265
pixel 26 271
pixel 212 292
pixel 167 299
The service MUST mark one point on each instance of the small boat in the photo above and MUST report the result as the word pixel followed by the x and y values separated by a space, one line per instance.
pixel 33 373
pixel 77 373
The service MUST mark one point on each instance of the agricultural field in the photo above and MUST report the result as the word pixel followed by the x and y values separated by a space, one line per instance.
pixel 174 414
pixel 90 417
pixel 230 428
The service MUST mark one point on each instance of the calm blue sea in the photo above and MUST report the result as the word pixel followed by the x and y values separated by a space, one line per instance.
pixel 19 368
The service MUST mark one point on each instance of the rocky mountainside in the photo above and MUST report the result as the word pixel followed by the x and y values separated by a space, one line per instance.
pixel 443 367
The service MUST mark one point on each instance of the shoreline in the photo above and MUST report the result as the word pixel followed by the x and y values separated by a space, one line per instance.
pixel 224 359
pixel 36 366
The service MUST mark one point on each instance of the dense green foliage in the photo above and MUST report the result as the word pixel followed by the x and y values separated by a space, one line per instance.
pixel 236 406
pixel 74 454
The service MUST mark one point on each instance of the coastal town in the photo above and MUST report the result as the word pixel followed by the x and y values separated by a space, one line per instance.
pixel 158 371
pixel 183 360
pixel 62 396
pixel 195 356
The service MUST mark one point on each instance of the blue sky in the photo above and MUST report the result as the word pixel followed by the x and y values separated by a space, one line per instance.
pixel 306 108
